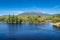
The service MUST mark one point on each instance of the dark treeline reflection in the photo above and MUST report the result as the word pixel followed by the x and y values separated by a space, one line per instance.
pixel 22 27
pixel 14 27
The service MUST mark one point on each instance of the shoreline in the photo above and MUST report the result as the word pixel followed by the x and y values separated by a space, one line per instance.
pixel 56 24
pixel 53 24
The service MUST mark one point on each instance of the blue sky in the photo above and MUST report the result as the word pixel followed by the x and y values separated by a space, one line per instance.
pixel 19 6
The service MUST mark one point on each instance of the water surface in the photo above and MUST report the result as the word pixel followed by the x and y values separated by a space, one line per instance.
pixel 28 32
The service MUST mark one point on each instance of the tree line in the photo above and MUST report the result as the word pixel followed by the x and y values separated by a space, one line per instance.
pixel 29 19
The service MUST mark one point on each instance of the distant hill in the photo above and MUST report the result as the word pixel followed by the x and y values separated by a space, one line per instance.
pixel 34 14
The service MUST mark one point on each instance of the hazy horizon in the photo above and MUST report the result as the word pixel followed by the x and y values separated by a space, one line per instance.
pixel 20 6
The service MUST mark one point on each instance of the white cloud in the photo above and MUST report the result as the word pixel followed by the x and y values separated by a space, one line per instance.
pixel 16 12
pixel 56 6
pixel 11 12
pixel 0 14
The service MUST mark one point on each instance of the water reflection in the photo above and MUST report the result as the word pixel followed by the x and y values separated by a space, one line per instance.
pixel 13 28
pixel 30 30
pixel 23 27
pixel 56 28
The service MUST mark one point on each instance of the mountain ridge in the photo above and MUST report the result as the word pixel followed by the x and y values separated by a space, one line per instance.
pixel 34 14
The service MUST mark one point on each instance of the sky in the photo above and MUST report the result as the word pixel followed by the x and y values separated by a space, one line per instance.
pixel 20 6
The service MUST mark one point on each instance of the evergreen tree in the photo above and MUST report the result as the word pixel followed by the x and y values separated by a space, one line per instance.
pixel 9 18
pixel 16 20
pixel 13 19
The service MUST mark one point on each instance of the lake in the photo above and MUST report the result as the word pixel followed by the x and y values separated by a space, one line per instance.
pixel 28 32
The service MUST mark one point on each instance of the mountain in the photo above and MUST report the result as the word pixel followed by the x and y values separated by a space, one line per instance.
pixel 34 14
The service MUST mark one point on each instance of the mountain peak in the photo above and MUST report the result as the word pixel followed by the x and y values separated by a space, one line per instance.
pixel 34 14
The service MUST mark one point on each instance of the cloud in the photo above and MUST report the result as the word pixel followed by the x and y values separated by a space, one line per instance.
pixel 11 12
pixel 0 14
pixel 16 12
pixel 57 6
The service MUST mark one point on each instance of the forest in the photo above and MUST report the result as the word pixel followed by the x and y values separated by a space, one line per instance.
pixel 15 19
